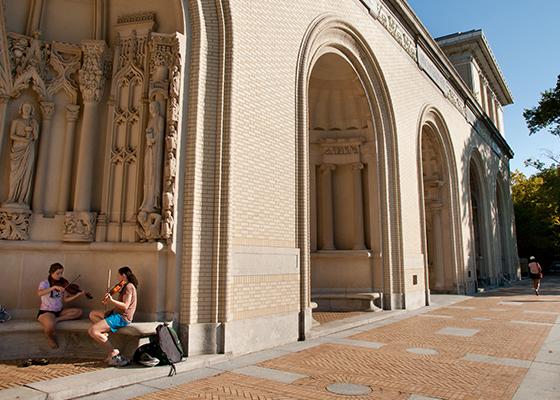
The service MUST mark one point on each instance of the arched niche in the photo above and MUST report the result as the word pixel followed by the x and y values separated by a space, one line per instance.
pixel 439 199
pixel 363 124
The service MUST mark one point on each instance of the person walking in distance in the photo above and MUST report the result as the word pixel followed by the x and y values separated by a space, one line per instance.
pixel 535 271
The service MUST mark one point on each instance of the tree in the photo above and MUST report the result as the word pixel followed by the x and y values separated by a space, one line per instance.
pixel 536 202
pixel 547 113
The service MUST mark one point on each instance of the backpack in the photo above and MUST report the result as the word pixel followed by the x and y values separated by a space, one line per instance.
pixel 164 346
pixel 4 315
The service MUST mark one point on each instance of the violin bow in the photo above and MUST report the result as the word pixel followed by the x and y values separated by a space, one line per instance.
pixel 74 280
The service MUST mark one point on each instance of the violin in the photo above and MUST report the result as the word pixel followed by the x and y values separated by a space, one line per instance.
pixel 74 288
pixel 71 288
pixel 118 287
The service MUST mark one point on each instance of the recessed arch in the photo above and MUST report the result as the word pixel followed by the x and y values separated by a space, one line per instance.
pixel 330 34
pixel 481 254
pixel 439 199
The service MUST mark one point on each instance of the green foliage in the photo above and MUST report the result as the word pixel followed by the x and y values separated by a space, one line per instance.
pixel 536 202
pixel 547 113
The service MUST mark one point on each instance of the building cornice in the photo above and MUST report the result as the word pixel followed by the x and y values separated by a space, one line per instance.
pixel 475 42
pixel 413 27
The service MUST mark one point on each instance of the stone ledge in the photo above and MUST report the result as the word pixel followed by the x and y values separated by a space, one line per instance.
pixel 348 301
pixel 140 329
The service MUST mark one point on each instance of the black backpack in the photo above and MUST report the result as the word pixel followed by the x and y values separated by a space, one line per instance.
pixel 164 345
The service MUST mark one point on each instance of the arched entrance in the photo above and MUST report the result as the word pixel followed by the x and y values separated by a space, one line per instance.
pixel 503 246
pixel 439 227
pixel 382 256
pixel 479 229
pixel 343 187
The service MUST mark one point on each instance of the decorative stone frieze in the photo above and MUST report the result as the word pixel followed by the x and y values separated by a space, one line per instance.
pixel 79 226
pixel 14 223
pixel 93 71
pixel 28 58
pixel 394 27
pixel 65 61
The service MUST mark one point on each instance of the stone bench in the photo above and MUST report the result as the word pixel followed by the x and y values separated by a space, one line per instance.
pixel 25 339
pixel 348 301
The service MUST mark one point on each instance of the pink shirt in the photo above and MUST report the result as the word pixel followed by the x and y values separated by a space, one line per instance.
pixel 535 267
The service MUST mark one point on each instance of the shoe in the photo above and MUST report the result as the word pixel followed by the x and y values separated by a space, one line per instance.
pixel 537 292
pixel 148 360
pixel 118 361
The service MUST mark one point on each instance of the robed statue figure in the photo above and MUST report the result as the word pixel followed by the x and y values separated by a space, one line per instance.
pixel 153 159
pixel 24 133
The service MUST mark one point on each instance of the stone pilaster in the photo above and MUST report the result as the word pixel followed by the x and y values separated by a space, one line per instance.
pixel 327 226
pixel 47 112
pixel 92 82
pixel 358 207
pixel 72 114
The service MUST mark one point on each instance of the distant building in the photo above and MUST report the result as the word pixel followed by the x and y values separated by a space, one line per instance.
pixel 250 160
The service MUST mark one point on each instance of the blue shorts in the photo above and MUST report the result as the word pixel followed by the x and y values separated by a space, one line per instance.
pixel 116 321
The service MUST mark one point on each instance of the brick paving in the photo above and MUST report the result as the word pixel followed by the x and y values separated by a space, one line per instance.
pixel 508 324
pixel 11 375
pixel 325 317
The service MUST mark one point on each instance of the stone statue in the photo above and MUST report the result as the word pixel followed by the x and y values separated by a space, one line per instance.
pixel 24 132
pixel 150 225
pixel 153 159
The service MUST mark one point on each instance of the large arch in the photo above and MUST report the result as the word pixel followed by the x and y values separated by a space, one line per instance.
pixel 503 234
pixel 479 221
pixel 330 34
pixel 440 227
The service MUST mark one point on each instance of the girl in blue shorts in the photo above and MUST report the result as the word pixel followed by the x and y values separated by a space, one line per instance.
pixel 121 314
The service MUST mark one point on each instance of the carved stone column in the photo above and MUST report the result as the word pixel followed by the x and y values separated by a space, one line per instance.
pixel 92 82
pixel 72 113
pixel 327 226
pixel 3 107
pixel 437 245
pixel 47 111
pixel 358 207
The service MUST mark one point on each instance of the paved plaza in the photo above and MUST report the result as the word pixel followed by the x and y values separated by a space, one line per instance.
pixel 504 344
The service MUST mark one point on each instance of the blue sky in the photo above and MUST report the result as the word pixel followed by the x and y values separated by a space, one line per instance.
pixel 524 38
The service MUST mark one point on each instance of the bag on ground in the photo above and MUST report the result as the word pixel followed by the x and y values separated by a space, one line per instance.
pixel 164 349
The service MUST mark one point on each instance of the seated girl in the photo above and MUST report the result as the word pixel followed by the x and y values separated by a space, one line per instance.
pixel 118 317
pixel 53 296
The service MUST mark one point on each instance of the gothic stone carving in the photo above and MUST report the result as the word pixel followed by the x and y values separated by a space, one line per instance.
pixel 14 224
pixel 29 57
pixel 153 156
pixel 24 132
pixel 94 68
pixel 79 226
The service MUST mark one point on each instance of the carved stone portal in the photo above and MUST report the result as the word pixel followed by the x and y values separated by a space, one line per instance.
pixel 79 226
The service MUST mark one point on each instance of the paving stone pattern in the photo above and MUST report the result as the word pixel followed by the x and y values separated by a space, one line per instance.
pixel 324 317
pixel 481 366
pixel 11 375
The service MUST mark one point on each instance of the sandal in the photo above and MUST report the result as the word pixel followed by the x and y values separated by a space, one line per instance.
pixel 26 363
pixel 40 361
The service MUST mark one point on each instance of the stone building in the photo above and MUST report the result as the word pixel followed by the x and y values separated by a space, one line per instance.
pixel 250 160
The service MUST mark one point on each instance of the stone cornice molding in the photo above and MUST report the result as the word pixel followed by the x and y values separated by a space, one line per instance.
pixel 457 91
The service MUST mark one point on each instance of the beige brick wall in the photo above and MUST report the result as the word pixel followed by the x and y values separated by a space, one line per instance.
pixel 258 295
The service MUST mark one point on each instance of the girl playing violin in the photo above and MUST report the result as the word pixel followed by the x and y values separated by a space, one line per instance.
pixel 119 316
pixel 53 296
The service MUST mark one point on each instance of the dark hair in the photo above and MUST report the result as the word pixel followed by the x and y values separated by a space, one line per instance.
pixel 125 270
pixel 55 267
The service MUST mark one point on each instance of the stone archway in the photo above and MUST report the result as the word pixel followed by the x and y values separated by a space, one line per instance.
pixel 439 204
pixel 502 236
pixel 343 188
pixel 326 35
pixel 479 225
